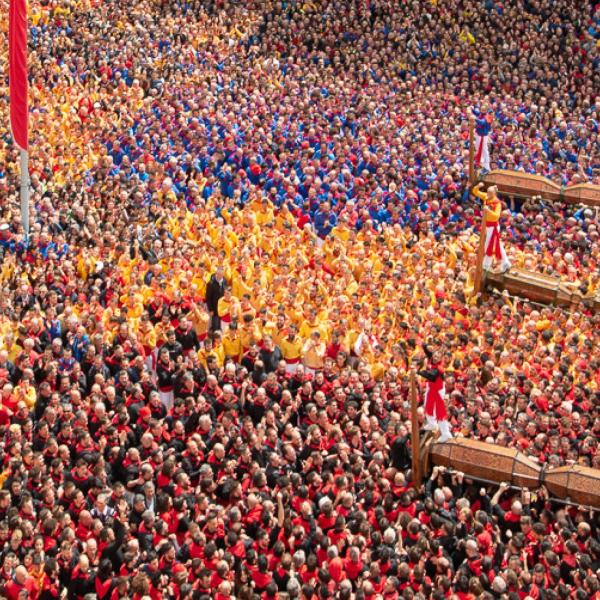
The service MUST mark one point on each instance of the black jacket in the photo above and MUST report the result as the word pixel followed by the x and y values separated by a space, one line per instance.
pixel 271 358
pixel 215 290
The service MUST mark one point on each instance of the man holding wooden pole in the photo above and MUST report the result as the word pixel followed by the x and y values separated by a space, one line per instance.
pixel 436 414
pixel 493 244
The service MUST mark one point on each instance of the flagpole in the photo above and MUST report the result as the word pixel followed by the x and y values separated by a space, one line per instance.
pixel 19 96
pixel 478 283
pixel 471 150
pixel 25 192
pixel 415 441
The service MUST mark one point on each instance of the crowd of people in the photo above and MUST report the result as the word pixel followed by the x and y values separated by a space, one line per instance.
pixel 248 221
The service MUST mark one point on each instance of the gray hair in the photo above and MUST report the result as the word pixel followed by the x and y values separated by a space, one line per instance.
pixel 299 558
pixel 293 588
pixel 499 585
pixel 389 536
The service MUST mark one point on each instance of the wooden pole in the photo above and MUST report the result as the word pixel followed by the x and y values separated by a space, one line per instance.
pixel 25 192
pixel 415 440
pixel 471 151
pixel 478 283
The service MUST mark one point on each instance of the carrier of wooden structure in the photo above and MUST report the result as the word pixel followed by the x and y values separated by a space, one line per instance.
pixel 494 464
pixel 524 185
pixel 541 288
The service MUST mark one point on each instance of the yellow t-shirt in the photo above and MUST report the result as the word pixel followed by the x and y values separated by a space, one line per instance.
pixel 249 335
pixel 307 328
pixel 313 354
pixel 27 394
pixel 240 286
pixel 291 350
pixel 493 209
pixel 223 308
pixel 232 345
pixel 148 337
pixel 200 321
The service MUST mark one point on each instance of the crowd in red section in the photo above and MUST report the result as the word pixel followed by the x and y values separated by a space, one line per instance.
pixel 247 220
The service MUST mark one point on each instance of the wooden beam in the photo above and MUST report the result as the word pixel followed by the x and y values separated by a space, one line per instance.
pixel 526 185
pixel 415 441
pixel 490 463
pixel 540 288
pixel 471 151
pixel 478 283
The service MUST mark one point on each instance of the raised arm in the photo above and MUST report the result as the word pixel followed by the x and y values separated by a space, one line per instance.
pixel 476 191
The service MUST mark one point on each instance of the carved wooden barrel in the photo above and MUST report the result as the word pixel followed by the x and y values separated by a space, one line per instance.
pixel 525 185
pixel 577 484
pixel 538 287
pixel 487 462
pixel 583 193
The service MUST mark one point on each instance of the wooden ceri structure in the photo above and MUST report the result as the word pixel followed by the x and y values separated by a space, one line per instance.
pixel 494 464
pixel 536 287
pixel 524 185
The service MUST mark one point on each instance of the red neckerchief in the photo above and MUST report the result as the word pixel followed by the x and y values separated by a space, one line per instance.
pixel 102 587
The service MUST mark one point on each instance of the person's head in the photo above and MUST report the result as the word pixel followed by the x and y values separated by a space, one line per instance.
pixel 84 563
pixel 21 575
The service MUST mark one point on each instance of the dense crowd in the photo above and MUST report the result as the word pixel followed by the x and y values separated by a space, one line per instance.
pixel 247 220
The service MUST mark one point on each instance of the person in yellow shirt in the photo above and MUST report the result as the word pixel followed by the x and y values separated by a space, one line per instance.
pixel 198 282
pixel 12 347
pixel 246 307
pixel 26 392
pixel 312 323
pixel 147 337
pixel 162 328
pixel 353 332
pixel 265 325
pixel 232 343
pixel 378 363
pixel 241 283
pixel 228 308
pixel 134 303
pixel 35 15
pixel 466 36
pixel 249 333
pixel 291 349
pixel 200 321
pixel 365 343
pixel 218 350
pixel 284 221
pixel 112 314
pixel 341 231
pixel 492 211
pixel 313 353
pixel 208 349
pixel 265 213
pixel 280 330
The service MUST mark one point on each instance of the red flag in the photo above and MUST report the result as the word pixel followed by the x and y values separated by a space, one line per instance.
pixel 17 72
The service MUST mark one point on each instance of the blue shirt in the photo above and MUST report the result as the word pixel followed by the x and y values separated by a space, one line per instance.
pixel 324 222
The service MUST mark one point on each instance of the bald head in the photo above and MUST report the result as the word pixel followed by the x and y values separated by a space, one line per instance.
pixel 21 574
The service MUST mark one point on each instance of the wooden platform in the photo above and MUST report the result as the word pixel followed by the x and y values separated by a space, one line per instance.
pixel 539 288
pixel 490 463
pixel 524 185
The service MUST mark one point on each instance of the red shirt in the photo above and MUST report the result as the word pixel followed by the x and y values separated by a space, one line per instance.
pixel 353 569
pixel 12 589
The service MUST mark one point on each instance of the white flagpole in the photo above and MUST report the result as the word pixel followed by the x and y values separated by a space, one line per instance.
pixel 25 192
